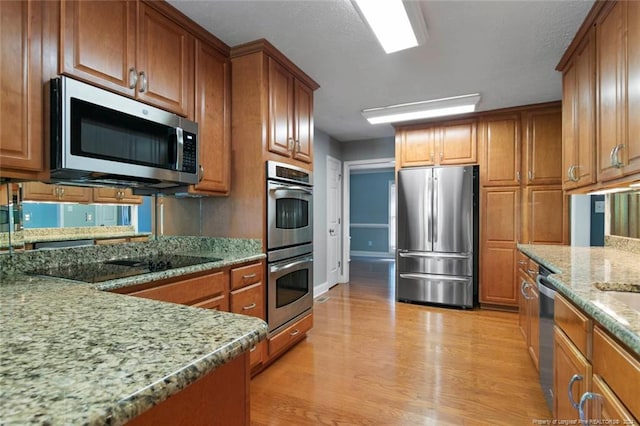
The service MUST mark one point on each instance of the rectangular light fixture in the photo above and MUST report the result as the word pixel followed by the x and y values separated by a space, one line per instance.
pixel 424 109
pixel 397 25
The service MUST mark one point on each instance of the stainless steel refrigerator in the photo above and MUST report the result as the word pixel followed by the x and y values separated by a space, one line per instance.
pixel 437 247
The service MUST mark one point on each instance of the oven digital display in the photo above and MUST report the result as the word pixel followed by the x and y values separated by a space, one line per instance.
pixel 287 173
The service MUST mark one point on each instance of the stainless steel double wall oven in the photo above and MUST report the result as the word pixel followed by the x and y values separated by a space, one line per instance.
pixel 289 243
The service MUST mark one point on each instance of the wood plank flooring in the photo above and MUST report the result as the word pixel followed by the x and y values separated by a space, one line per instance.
pixel 372 361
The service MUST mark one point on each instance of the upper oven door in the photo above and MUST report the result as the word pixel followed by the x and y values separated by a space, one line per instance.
pixel 289 214
pixel 98 131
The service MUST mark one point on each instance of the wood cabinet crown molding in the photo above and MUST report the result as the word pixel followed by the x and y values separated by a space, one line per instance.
pixel 262 45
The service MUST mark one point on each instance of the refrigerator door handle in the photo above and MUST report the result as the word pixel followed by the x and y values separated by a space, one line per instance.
pixel 435 209
pixel 428 207
pixel 436 255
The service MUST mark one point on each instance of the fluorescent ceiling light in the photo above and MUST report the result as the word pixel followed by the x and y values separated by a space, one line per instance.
pixel 424 109
pixel 397 26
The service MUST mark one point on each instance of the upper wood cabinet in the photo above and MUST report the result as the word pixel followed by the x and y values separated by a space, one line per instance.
pixel 131 48
pixel 445 143
pixel 37 191
pixel 578 116
pixel 500 142
pixel 115 196
pixel 213 109
pixel 21 94
pixel 290 114
pixel 542 163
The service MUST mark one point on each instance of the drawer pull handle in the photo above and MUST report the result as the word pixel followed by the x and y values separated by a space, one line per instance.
pixel 585 397
pixel 248 276
pixel 253 349
pixel 294 332
pixel 574 379
pixel 249 307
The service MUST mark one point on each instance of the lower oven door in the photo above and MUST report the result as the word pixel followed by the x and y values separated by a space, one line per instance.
pixel 290 290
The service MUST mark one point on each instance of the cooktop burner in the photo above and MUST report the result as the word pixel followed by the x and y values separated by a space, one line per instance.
pixel 122 268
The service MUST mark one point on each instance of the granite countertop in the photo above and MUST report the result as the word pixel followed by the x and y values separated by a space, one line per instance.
pixel 72 354
pixel 576 270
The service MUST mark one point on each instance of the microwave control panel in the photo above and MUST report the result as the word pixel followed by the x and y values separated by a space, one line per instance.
pixel 189 153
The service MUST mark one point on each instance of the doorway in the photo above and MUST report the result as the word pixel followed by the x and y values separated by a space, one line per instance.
pixel 364 229
pixel 334 221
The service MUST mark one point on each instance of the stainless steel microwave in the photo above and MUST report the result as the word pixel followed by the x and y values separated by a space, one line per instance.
pixel 100 138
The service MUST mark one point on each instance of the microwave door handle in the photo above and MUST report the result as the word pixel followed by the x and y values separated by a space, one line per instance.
pixel 179 148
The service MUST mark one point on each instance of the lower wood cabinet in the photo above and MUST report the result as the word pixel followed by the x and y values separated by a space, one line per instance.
pixel 38 191
pixel 529 305
pixel 571 376
pixel 219 398
pixel 189 291
pixel 290 335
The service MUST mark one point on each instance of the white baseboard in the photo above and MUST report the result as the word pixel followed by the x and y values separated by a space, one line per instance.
pixel 372 254
pixel 320 289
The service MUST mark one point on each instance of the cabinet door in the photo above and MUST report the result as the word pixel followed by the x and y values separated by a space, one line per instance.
pixel 606 407
pixel 567 363
pixel 569 124
pixel 534 323
pixel 97 43
pixel 164 62
pixel 500 212
pixel 632 150
pixel 280 109
pixel 249 301
pixel 610 56
pixel 115 196
pixel 458 143
pixel 417 147
pixel 303 124
pixel 543 215
pixel 500 139
pixel 213 109
pixel 37 191
pixel 585 111
pixel 21 139
pixel 523 305
pixel 543 161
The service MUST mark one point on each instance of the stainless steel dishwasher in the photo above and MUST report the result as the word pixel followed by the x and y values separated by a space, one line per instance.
pixel 547 300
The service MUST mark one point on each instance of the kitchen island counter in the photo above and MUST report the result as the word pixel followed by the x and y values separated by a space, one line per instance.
pixel 576 270
pixel 71 354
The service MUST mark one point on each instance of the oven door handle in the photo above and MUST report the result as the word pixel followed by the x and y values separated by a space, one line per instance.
pixel 278 268
pixel 292 188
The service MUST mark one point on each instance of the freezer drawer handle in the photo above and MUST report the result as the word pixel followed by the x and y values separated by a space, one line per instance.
pixel 442 255
pixel 434 277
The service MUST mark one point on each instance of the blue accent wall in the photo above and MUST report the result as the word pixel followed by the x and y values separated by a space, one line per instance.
pixel 144 214
pixel 42 215
pixel 369 203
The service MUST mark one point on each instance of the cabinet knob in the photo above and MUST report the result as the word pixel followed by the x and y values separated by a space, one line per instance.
pixel 518 176
pixel 530 175
pixel 133 78
pixel 298 146
pixel 614 158
pixel 290 144
pixel 249 307
pixel 441 156
pixel 143 82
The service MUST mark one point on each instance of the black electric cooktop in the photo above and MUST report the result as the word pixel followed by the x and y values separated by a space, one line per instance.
pixel 122 268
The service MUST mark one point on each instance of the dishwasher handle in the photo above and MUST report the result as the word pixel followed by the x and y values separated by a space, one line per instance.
pixel 545 287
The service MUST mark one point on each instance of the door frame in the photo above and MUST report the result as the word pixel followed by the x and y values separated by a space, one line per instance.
pixel 348 166
pixel 340 212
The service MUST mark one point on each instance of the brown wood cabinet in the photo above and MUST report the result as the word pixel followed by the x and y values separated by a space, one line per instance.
pixel 500 138
pixel 500 229
pixel 290 335
pixel 529 305
pixel 446 143
pixel 593 366
pixel 213 109
pixel 37 191
pixel 115 196
pixel 220 398
pixel 544 215
pixel 131 48
pixel 578 116
pixel 21 77
pixel 542 161
pixel 290 114
pixel 188 291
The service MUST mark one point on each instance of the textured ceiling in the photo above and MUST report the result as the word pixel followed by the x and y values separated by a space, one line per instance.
pixel 505 50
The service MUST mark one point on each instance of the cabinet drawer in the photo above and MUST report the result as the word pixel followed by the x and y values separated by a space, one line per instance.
pixel 188 291
pixel 219 303
pixel 523 261
pixel 246 275
pixel 256 354
pixel 609 407
pixel 249 301
pixel 618 368
pixel 576 325
pixel 289 335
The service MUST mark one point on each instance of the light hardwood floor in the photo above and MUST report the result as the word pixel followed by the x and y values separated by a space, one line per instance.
pixel 372 361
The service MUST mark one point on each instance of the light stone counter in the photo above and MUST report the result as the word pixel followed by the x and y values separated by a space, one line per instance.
pixel 70 354
pixel 577 269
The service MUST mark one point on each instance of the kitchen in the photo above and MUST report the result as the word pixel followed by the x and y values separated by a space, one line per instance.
pixel 243 226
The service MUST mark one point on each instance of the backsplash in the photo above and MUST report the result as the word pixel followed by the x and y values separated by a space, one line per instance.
pixel 623 243
pixel 29 260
